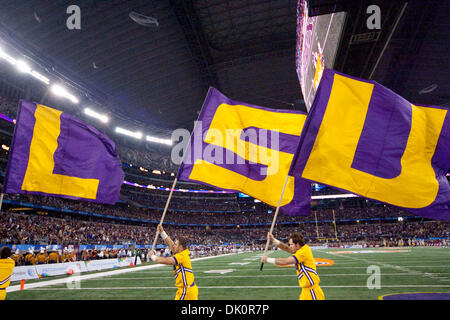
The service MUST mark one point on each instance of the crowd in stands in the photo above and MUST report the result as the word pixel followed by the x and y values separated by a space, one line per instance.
pixel 146 159
pixel 8 106
pixel 20 228
pixel 150 179
pixel 127 211
pixel 201 204
pixel 165 180
pixel 48 256
pixel 29 229
pixel 34 229
pixel 72 254
pixel 67 204
pixel 205 211
pixel 384 211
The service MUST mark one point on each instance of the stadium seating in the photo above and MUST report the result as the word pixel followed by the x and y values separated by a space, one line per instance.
pixel 206 219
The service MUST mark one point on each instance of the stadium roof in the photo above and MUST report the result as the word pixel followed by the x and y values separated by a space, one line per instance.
pixel 412 53
pixel 155 69
pixel 159 72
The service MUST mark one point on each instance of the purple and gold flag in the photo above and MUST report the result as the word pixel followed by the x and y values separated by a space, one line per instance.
pixel 364 138
pixel 242 147
pixel 55 154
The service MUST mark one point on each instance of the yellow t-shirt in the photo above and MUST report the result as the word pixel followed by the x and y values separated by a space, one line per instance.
pixel 16 257
pixel 29 258
pixel 54 257
pixel 306 267
pixel 6 269
pixel 41 258
pixel 184 276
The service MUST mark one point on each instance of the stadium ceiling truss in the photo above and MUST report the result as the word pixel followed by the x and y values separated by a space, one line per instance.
pixel 246 49
pixel 405 54
pixel 234 42
pixel 157 75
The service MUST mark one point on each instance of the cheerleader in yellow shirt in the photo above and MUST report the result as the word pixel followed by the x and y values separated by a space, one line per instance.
pixel 6 268
pixel 305 265
pixel 182 268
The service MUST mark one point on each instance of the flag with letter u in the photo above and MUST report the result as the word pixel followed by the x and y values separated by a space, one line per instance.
pixel 242 147
pixel 364 138
pixel 55 154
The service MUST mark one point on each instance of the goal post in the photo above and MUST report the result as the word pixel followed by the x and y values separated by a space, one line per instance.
pixel 317 228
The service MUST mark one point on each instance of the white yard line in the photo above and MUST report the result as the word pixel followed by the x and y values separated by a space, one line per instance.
pixel 146 269
pixel 331 267
pixel 241 287
pixel 256 276
pixel 402 268
pixel 96 275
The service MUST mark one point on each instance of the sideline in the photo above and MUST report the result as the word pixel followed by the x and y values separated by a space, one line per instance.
pixel 70 279
pixel 247 287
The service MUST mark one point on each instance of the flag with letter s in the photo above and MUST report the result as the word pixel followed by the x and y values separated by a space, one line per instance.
pixel 243 147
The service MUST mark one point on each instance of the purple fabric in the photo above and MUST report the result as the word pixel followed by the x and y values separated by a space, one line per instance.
pixel 300 204
pixel 20 148
pixel 312 125
pixel 380 155
pixel 82 152
pixel 287 142
pixel 418 296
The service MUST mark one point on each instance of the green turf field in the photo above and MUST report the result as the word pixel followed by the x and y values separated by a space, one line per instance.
pixel 424 269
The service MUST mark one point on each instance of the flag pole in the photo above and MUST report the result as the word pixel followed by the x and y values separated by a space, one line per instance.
pixel 164 212
pixel 317 227
pixel 173 186
pixel 1 201
pixel 274 219
pixel 334 222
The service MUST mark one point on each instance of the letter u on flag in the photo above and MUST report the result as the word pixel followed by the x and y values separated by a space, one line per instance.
pixel 364 138
pixel 242 147
pixel 55 154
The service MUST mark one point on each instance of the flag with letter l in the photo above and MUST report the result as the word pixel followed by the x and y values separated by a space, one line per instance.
pixel 55 154
pixel 366 139
pixel 242 147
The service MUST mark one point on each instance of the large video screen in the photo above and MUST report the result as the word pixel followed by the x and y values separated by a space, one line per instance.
pixel 317 43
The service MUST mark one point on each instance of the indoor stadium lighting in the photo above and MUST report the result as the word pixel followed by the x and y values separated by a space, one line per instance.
pixel 7 57
pixel 158 140
pixel 22 66
pixel 335 196
pixel 137 135
pixel 60 91
pixel 97 115
pixel 40 77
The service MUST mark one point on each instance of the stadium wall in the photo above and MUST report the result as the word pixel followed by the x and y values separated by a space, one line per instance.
pixel 89 214
pixel 57 269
